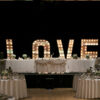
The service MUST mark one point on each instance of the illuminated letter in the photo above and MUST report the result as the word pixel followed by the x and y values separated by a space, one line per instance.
pixel 84 44
pixel 35 47
pixel 9 46
pixel 70 48
pixel 60 48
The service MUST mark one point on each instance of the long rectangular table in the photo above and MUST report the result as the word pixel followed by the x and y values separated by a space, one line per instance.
pixel 79 65
pixel 20 66
pixel 52 65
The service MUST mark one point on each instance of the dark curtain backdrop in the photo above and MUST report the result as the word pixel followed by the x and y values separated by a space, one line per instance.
pixel 25 22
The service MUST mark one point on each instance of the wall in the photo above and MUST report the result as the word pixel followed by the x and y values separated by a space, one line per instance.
pixel 27 22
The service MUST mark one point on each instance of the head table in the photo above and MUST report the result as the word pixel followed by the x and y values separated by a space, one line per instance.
pixel 50 65
pixel 47 65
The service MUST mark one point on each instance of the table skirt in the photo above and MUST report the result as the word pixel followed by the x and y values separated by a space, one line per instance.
pixel 16 88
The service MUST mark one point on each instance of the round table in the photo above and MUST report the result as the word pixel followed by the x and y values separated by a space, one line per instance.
pixel 14 87
pixel 88 88
pixel 75 81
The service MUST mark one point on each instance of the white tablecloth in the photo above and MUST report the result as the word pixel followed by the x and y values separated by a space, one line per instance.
pixel 16 88
pixel 79 65
pixel 75 81
pixel 50 65
pixel 88 88
pixel 21 66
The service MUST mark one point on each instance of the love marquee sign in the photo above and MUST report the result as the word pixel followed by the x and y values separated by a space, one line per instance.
pixel 46 45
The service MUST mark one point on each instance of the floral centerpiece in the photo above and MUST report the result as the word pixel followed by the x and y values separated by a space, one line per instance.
pixel 89 72
pixel 87 56
pixel 14 56
pixel 75 56
pixel 24 56
pixel 4 74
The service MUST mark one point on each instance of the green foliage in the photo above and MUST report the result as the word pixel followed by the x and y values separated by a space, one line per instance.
pixel 97 67
pixel 87 56
pixel 6 72
pixel 89 70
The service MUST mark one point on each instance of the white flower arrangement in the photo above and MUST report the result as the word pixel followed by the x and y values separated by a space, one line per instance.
pixel 14 56
pixel 24 56
pixel 4 74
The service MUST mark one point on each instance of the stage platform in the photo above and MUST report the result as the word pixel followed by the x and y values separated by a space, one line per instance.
pixel 49 80
pixel 52 73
